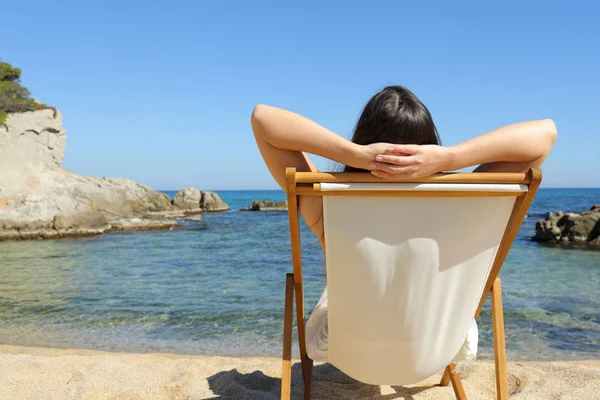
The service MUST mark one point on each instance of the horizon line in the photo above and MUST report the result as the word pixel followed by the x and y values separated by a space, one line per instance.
pixel 281 190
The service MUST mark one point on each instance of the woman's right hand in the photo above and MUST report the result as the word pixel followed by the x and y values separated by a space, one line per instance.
pixel 411 161
pixel 393 161
pixel 369 152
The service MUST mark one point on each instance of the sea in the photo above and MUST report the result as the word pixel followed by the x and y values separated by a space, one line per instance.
pixel 216 287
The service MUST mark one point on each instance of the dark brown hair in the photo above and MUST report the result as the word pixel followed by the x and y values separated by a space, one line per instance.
pixel 394 115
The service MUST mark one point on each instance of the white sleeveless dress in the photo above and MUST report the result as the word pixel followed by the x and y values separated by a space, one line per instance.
pixel 317 329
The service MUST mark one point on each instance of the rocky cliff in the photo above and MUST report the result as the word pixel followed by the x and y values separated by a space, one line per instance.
pixel 39 199
pixel 33 139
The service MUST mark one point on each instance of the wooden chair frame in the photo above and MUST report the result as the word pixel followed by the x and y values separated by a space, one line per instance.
pixel 308 184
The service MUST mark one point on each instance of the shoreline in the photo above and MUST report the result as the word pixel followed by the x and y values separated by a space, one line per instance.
pixel 93 374
pixel 52 350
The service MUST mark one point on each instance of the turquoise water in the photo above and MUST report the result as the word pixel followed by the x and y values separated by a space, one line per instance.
pixel 216 287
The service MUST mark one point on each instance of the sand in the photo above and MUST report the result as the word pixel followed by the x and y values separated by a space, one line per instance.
pixel 41 373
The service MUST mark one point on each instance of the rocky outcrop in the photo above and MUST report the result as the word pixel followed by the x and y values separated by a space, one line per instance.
pixel 68 201
pixel 195 201
pixel 41 200
pixel 570 228
pixel 84 224
pixel 33 139
pixel 188 198
pixel 211 202
pixel 267 205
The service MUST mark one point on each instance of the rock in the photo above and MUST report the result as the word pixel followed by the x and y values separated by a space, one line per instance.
pixel 211 202
pixel 43 194
pixel 192 215
pixel 193 201
pixel 142 224
pixel 84 224
pixel 40 200
pixel 193 211
pixel 196 217
pixel 266 205
pixel 570 228
pixel 34 138
pixel 90 219
pixel 188 198
pixel 165 214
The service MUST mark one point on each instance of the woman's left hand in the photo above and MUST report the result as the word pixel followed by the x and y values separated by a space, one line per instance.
pixel 410 161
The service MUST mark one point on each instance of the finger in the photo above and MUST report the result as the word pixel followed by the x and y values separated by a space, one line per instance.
pixel 396 160
pixel 405 175
pixel 395 170
pixel 402 149
pixel 388 175
pixel 382 174
pixel 389 168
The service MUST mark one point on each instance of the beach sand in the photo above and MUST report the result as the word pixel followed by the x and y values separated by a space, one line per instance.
pixel 42 373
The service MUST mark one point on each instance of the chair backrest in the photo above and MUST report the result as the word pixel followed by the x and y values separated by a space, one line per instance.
pixel 410 264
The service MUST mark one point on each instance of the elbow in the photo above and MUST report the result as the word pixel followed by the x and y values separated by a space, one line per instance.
pixel 258 114
pixel 255 120
pixel 545 133
pixel 261 121
pixel 550 131
pixel 548 134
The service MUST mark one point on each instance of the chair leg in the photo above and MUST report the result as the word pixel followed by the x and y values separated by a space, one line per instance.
pixel 499 342
pixel 286 367
pixel 300 325
pixel 446 376
pixel 308 379
pixel 454 377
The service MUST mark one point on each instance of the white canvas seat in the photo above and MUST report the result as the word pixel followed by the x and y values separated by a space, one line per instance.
pixel 409 266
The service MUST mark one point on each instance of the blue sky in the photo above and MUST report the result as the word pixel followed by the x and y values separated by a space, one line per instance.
pixel 162 93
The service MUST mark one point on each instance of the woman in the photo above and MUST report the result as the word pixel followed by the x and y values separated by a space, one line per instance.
pixel 395 137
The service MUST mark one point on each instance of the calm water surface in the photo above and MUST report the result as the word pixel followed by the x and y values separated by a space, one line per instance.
pixel 216 287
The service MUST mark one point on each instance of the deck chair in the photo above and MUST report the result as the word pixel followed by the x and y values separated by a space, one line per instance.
pixel 409 264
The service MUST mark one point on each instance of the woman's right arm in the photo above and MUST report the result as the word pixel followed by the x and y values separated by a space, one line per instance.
pixel 283 137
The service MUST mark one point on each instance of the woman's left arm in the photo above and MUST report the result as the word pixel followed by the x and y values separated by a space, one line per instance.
pixel 512 148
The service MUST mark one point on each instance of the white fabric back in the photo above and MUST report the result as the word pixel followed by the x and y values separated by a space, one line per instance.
pixel 405 276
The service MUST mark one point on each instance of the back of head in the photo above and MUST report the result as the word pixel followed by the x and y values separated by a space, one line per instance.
pixel 394 115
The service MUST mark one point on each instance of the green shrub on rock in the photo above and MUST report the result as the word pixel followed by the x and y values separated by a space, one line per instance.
pixel 13 96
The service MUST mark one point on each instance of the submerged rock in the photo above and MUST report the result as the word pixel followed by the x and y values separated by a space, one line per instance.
pixel 570 228
pixel 196 217
pixel 142 224
pixel 267 205
pixel 165 214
